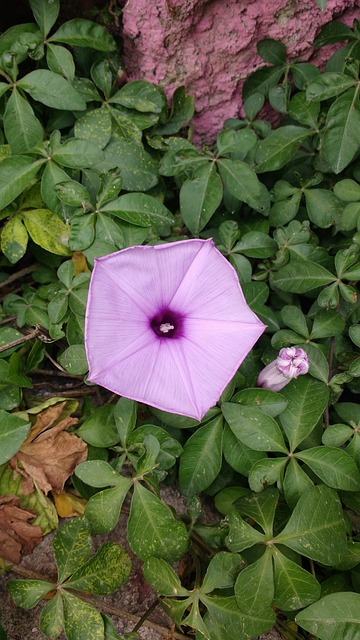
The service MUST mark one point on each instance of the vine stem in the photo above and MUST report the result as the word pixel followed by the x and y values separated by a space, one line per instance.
pixel 29 574
pixel 18 274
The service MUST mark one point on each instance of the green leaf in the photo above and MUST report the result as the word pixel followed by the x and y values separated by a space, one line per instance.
pixel 226 617
pixel 27 593
pixel 152 528
pixel 254 587
pixel 279 147
pixel 266 472
pixel 52 90
pixel 137 168
pixel 84 33
pixel 336 435
pixel 329 84
pixel 182 110
pixel 334 616
pixel 105 572
pixel 52 176
pixel 72 547
pixel 253 427
pixel 125 413
pixel 307 400
pixel 142 210
pixel 341 138
pixel 316 527
pixel 99 429
pixel 256 244
pixel 222 571
pixel 94 126
pixel 327 323
pixel 98 473
pixel 241 534
pixel 238 455
pixel 60 60
pixel 77 154
pixel 16 173
pixel 323 207
pixel 272 51
pixel 295 482
pixel 300 276
pixel 47 230
pixel 14 239
pixel 74 360
pixel 261 81
pixel 294 318
pixel 241 181
pixel 13 431
pixel 45 13
pixel 51 621
pixel 333 466
pixel 260 507
pixel 295 588
pixel 22 128
pixel 267 401
pixel 103 509
pixel 140 95
pixel 162 578
pixel 303 111
pixel 200 197
pixel 81 618
pixel 347 190
pixel 200 461
pixel 318 363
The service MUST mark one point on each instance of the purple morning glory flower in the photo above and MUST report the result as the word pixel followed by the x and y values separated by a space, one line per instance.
pixel 290 363
pixel 168 325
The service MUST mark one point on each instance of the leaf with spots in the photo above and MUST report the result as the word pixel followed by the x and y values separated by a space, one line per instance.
pixel 105 572
pixel 152 528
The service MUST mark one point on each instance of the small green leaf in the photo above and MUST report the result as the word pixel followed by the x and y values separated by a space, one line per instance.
pixel 334 466
pixel 72 547
pixel 45 13
pixel 341 138
pixel 200 196
pixel 74 360
pixel 105 572
pixel 279 147
pixel 316 527
pixel 300 276
pixel 52 90
pixel 140 95
pixel 260 507
pixel 27 593
pixel 14 239
pixel 307 400
pixel 254 587
pixel 84 33
pixel 142 210
pixel 323 207
pixel 81 617
pixel 94 126
pixel 327 85
pixel 52 617
pixel 295 588
pixel 241 534
pixel 61 61
pixel 200 461
pixel 22 128
pixel 13 431
pixel 241 181
pixel 272 51
pixel 99 429
pixel 152 528
pixel 47 230
pixel 225 615
pixel 125 413
pixel 163 579
pixel 77 154
pixel 253 427
pixel 103 509
pixel 239 456
pixel 16 173
pixel 334 616
pixel 270 402
pixel 266 472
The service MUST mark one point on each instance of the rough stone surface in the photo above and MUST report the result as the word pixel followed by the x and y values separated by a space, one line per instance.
pixel 210 45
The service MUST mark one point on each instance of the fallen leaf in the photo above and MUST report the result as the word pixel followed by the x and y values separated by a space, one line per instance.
pixel 49 454
pixel 17 536
pixel 68 505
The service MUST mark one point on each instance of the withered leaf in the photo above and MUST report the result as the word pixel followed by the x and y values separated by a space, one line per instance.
pixel 49 454
pixel 17 536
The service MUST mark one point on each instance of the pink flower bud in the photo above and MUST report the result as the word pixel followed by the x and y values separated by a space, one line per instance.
pixel 290 363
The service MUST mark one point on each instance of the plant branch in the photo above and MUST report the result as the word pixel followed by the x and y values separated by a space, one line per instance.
pixel 18 274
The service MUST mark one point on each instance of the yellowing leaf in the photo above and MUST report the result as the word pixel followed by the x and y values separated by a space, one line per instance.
pixel 68 505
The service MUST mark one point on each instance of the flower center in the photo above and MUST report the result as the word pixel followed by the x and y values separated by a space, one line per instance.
pixel 167 324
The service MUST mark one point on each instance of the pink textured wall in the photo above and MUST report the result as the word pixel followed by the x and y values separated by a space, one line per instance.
pixel 210 45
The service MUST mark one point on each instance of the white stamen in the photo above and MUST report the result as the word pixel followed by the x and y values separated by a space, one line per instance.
pixel 166 327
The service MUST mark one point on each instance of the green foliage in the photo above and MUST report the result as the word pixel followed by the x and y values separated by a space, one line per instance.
pixel 88 167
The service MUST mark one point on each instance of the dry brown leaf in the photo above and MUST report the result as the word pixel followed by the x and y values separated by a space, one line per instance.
pixel 49 454
pixel 17 536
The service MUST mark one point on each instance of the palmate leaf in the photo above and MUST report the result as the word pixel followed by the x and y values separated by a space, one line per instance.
pixel 307 399
pixel 14 239
pixel 104 508
pixel 254 587
pixel 142 210
pixel 52 90
pixel 200 197
pixel 279 147
pixel 225 621
pixel 316 527
pixel 294 587
pixel 72 547
pixel 105 572
pixel 334 616
pixel 300 276
pixel 241 181
pixel 253 427
pixel 16 173
pixel 153 530
pixel 13 431
pixel 22 128
pixel 27 593
pixel 45 13
pixel 200 461
pixel 222 571
pixel 341 138
pixel 84 33
pixel 52 617
pixel 334 466
pixel 47 230
pixel 162 577
pixel 80 617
